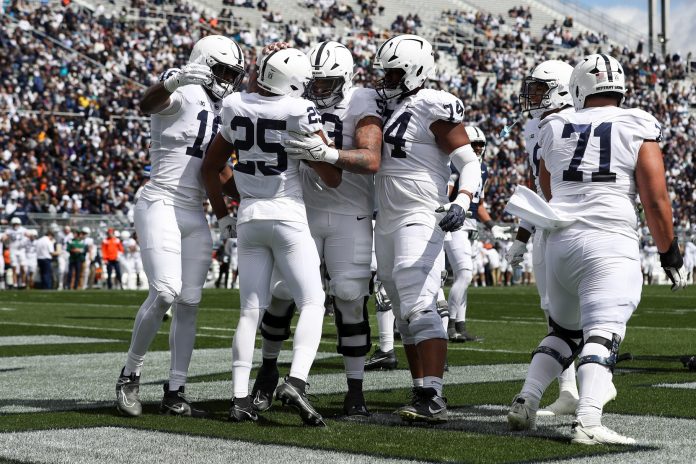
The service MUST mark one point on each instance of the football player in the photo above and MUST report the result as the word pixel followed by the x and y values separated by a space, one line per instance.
pixel 271 220
pixel 545 92
pixel 16 236
pixel 175 240
pixel 421 136
pixel 340 219
pixel 593 162
pixel 458 244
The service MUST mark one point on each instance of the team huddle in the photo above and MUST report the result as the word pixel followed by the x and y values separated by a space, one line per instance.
pixel 317 157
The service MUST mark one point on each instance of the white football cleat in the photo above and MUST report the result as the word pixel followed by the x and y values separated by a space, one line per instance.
pixel 566 403
pixel 597 435
pixel 521 415
pixel 611 393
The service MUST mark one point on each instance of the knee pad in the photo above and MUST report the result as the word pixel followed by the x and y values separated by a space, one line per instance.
pixel 572 338
pixel 349 289
pixel 277 327
pixel 426 325
pixel 351 321
pixel 599 337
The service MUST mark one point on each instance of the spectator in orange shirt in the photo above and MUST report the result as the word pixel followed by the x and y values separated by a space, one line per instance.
pixel 111 248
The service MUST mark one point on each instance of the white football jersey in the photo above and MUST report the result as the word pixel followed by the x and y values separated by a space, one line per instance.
pixel 178 143
pixel 412 181
pixel 16 237
pixel 268 181
pixel 591 155
pixel 29 246
pixel 354 196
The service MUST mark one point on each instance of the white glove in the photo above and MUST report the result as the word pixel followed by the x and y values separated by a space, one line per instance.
pixel 501 232
pixel 191 74
pixel 676 276
pixel 228 227
pixel 309 147
pixel 515 254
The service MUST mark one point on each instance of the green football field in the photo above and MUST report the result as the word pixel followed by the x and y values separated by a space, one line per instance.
pixel 61 352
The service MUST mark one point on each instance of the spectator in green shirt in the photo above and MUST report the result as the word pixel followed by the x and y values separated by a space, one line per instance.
pixel 77 251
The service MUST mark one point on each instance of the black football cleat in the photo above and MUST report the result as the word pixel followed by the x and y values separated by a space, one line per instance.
pixel 381 360
pixel 264 386
pixel 428 407
pixel 242 410
pixel 289 395
pixel 175 403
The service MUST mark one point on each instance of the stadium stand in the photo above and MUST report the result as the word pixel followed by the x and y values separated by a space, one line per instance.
pixel 72 142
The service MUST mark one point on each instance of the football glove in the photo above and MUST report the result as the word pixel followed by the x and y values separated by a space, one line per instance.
pixel 457 211
pixel 309 147
pixel 501 232
pixel 673 265
pixel 228 227
pixel 191 74
pixel 515 254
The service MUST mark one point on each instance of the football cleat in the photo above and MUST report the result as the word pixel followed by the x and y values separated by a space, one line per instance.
pixel 426 407
pixel 289 395
pixel 354 405
pixel 240 412
pixel 264 386
pixel 175 403
pixel 127 395
pixel 329 306
pixel 415 395
pixel 521 415
pixel 597 435
pixel 566 403
pixel 463 335
pixel 381 360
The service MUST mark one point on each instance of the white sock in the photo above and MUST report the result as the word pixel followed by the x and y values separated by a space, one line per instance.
pixel 355 366
pixel 567 382
pixel 543 370
pixel 433 382
pixel 147 323
pixel 458 295
pixel 418 382
pixel 306 341
pixel 385 325
pixel 243 351
pixel 594 380
pixel 182 336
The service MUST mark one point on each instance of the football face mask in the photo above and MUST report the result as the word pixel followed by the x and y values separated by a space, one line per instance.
pixel 227 79
pixel 325 91
pixel 536 93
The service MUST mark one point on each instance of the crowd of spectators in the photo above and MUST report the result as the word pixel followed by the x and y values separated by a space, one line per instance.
pixel 72 139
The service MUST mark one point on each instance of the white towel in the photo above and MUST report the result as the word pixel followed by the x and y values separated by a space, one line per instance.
pixel 529 206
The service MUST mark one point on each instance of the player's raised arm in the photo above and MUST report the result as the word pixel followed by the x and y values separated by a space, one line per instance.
pixel 158 97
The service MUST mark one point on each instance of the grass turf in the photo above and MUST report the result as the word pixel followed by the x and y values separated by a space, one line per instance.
pixel 508 319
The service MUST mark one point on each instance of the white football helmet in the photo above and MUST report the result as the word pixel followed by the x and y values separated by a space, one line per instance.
pixel 226 61
pixel 15 221
pixel 284 72
pixel 476 138
pixel 410 53
pixel 86 230
pixel 594 74
pixel 546 88
pixel 332 73
pixel 125 235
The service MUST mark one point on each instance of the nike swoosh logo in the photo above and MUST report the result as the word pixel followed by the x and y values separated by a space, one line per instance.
pixel 175 409
pixel 361 218
pixel 435 411
pixel 125 400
